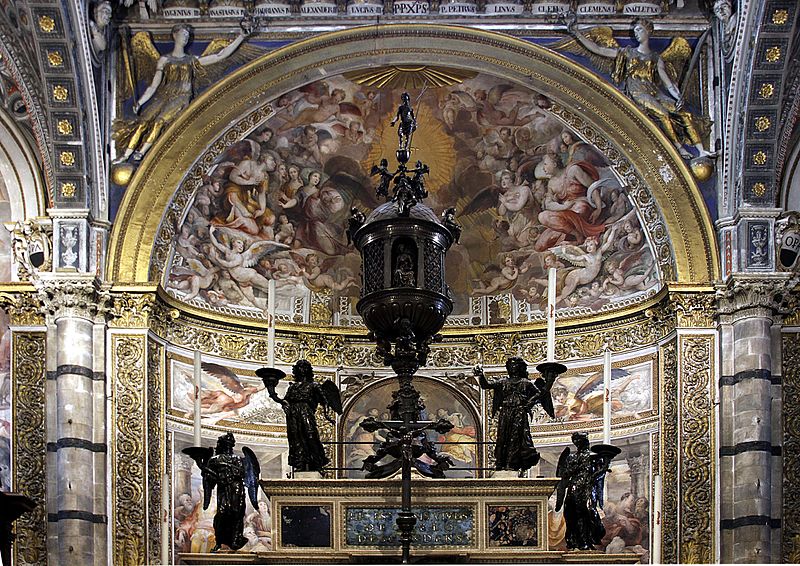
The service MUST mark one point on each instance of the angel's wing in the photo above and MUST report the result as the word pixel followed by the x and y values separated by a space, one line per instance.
pixel 227 378
pixel 206 75
pixel 602 36
pixel 252 473
pixel 260 248
pixel 485 199
pixel 589 385
pixel 332 395
pixel 561 469
pixel 139 59
pixel 559 252
pixel 675 57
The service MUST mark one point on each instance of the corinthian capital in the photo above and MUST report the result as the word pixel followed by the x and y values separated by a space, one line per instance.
pixel 77 296
pixel 775 293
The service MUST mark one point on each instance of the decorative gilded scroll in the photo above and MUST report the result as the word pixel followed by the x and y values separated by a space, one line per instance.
pixel 696 448
pixel 29 444
pixel 669 434
pixel 24 309
pixel 128 365
pixel 155 447
pixel 790 531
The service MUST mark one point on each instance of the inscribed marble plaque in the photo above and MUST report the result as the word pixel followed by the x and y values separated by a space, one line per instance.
pixel 436 526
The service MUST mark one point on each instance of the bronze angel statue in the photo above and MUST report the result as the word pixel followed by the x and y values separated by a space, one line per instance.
pixel 173 80
pixel 580 490
pixel 230 474
pixel 306 453
pixel 649 78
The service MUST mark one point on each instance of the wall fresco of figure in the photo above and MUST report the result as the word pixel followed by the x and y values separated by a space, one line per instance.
pixel 440 402
pixel 529 192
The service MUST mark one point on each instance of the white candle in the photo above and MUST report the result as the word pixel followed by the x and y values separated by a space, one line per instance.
pixel 197 385
pixel 657 520
pixel 551 314
pixel 271 323
pixel 607 396
pixel 165 493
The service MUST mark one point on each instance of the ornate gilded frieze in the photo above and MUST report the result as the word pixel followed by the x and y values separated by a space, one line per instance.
pixel 790 523
pixel 321 349
pixel 128 364
pixel 694 310
pixel 155 447
pixel 696 448
pixel 29 443
pixel 669 451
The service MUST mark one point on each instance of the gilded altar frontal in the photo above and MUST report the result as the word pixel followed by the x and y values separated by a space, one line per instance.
pixel 396 281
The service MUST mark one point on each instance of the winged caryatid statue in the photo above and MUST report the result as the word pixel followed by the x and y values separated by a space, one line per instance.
pixel 580 490
pixel 514 398
pixel 306 453
pixel 173 80
pixel 231 475
pixel 649 78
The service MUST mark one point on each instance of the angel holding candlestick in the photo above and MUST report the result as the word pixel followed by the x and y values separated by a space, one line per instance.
pixel 649 78
pixel 174 79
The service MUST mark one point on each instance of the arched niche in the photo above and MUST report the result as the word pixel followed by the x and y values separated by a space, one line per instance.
pixel 666 197
pixel 441 401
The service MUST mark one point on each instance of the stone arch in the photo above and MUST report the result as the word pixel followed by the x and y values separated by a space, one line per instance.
pixel 661 185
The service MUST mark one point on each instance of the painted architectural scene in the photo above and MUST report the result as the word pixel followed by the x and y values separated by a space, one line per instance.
pixel 530 193
pixel 441 401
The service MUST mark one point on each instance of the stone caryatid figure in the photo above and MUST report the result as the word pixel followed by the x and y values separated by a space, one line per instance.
pixel 649 78
pixel 306 453
pixel 580 490
pixel 230 475
pixel 173 81
pixel 513 400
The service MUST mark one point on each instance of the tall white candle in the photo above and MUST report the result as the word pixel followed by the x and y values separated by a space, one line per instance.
pixel 271 323
pixel 607 396
pixel 165 494
pixel 197 386
pixel 551 314
pixel 657 520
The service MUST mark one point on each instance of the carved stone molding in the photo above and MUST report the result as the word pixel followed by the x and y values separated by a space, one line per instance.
pixel 694 310
pixel 670 454
pixel 24 309
pixel 29 443
pixel 74 297
pixel 130 310
pixel 128 364
pixel 790 523
pixel 156 464
pixel 696 423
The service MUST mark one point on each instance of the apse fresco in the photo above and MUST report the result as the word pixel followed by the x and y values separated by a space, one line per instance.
pixel 626 513
pixel 579 397
pixel 5 403
pixel 440 403
pixel 6 258
pixel 529 192
pixel 193 527
pixel 224 394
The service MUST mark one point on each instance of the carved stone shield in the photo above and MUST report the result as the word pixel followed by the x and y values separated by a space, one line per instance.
pixel 790 249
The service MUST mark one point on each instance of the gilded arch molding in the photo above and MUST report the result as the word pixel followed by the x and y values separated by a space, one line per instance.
pixel 661 186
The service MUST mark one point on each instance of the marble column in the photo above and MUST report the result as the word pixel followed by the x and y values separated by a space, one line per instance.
pixel 76 436
pixel 749 452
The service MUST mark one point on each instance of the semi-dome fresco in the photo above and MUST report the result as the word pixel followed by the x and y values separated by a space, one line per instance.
pixel 529 192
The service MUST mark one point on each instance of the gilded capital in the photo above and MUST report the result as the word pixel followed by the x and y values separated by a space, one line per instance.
pixel 694 309
pixel 131 310
pixel 24 309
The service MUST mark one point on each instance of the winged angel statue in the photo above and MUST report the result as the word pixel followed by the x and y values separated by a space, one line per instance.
pixel 173 81
pixel 230 474
pixel 650 78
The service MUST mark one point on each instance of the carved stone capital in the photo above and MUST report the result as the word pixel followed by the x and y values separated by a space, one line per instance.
pixel 24 309
pixel 772 295
pixel 78 296
pixel 693 309
pixel 130 310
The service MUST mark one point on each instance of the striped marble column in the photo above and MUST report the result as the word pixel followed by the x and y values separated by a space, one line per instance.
pixel 750 450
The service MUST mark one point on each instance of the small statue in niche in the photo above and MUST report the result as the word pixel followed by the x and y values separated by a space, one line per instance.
pixel 98 24
pixel 408 122
pixel 580 490
pixel 649 78
pixel 449 221
pixel 404 273
pixel 173 81
pixel 306 453
pixel 230 474
pixel 386 176
pixel 514 398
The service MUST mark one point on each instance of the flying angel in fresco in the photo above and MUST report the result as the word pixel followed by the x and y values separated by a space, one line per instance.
pixel 656 82
pixel 173 80
pixel 222 393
